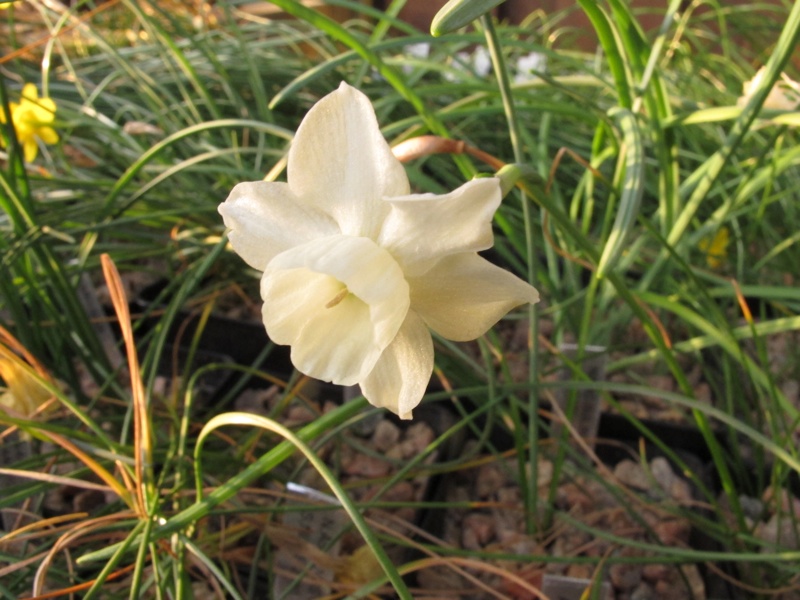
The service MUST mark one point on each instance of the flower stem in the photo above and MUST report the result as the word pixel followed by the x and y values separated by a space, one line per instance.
pixel 504 83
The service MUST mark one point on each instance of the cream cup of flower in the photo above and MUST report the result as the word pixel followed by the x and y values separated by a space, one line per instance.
pixel 357 270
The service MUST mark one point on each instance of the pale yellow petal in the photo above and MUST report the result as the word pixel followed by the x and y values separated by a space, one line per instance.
pixel 423 228
pixel 400 377
pixel 266 219
pixel 463 295
pixel 340 163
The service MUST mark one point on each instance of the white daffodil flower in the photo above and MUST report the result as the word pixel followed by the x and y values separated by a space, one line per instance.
pixel 533 61
pixel 419 51
pixel 478 62
pixel 784 95
pixel 356 269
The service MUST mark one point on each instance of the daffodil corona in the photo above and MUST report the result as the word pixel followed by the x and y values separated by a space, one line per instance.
pixel 31 118
pixel 356 269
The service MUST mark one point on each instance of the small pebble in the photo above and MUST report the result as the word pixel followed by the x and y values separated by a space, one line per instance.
pixel 488 481
pixel 655 572
pixel 402 491
pixel 781 532
pixel 580 571
pixel 365 466
pixel 643 591
pixel 671 483
pixel 478 531
pixel 417 438
pixel 625 576
pixel 299 415
pixel 632 474
pixel 673 532
pixel 753 508
pixel 386 435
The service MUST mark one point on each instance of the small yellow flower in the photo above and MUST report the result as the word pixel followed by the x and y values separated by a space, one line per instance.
pixel 24 393
pixel 4 5
pixel 31 118
pixel 715 247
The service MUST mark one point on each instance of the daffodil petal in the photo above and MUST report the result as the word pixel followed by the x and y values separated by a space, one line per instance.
pixel 29 148
pixel 47 108
pixel 47 135
pixel 463 295
pixel 266 219
pixel 29 92
pixel 338 301
pixel 340 163
pixel 422 228
pixel 400 377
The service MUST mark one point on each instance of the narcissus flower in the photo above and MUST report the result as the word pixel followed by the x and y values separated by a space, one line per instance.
pixel 533 61
pixel 24 394
pixel 715 247
pixel 784 95
pixel 356 269
pixel 31 118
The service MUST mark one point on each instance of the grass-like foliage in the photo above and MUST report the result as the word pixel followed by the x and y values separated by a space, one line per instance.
pixel 655 215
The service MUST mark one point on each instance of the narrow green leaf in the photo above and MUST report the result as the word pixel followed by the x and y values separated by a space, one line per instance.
pixel 251 420
pixel 614 49
pixel 458 13
pixel 632 152
pixel 792 119
pixel 704 115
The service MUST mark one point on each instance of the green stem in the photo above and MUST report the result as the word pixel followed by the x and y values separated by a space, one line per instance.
pixel 529 491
